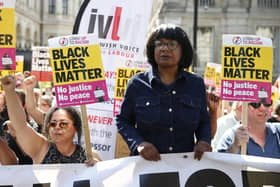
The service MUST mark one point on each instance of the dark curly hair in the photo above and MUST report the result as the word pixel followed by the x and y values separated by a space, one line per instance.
pixel 73 113
pixel 171 32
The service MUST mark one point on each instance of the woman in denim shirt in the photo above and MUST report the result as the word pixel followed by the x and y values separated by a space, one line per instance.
pixel 164 109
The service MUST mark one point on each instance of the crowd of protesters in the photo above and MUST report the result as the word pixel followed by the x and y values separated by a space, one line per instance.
pixel 166 109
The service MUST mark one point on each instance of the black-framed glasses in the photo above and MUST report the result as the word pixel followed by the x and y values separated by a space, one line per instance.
pixel 257 105
pixel 172 45
pixel 61 124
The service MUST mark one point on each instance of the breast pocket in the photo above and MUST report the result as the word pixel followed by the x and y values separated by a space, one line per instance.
pixel 147 110
pixel 188 109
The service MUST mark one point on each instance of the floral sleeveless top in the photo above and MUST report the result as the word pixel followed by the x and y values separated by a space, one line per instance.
pixel 53 156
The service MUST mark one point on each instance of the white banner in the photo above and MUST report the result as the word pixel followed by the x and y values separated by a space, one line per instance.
pixel 174 170
pixel 121 28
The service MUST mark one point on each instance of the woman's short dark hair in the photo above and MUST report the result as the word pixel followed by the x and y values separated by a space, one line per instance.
pixel 172 32
pixel 73 113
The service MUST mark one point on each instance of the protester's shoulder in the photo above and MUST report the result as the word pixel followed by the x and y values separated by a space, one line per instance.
pixel 192 75
pixel 143 75
pixel 273 126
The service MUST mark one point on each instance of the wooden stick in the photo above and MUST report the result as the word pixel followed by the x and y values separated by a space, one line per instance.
pixel 86 132
pixel 244 119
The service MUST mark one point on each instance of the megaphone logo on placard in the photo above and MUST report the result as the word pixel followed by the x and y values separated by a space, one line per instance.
pixel 63 41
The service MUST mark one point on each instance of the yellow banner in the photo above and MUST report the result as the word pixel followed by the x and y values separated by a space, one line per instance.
pixel 76 64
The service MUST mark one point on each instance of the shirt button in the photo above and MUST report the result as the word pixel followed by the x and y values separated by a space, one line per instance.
pixel 170 109
pixel 148 103
pixel 171 129
pixel 170 148
pixel 173 92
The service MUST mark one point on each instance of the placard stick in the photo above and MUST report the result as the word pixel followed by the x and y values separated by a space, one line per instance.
pixel 86 131
pixel 244 117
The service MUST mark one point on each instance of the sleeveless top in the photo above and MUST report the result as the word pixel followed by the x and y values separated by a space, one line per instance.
pixel 53 156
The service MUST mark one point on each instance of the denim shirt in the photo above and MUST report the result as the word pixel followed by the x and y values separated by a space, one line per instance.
pixel 169 117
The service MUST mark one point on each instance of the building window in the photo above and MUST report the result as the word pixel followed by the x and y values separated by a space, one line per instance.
pixel 268 3
pixel 206 3
pixel 65 7
pixel 52 6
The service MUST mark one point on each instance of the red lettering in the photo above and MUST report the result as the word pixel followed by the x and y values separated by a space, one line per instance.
pixel 103 120
pixel 116 24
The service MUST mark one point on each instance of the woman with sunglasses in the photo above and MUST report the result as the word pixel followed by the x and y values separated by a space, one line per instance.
pixel 165 107
pixel 262 138
pixel 61 125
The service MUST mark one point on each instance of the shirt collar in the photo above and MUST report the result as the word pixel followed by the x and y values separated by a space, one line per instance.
pixel 153 75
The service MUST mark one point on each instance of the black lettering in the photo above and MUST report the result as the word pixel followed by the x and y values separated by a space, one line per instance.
pixel 74 63
pixel 70 53
pixel 103 33
pixel 241 52
pixel 228 72
pixel 42 185
pixel 257 52
pixel 251 62
pixel 60 76
pixel 82 63
pixel 237 73
pixel 82 183
pixel 265 74
pixel 120 92
pixel 0 15
pixel 226 62
pixel 92 20
pixel 169 179
pixel 85 51
pixel 6 39
pixel 97 72
pixel 56 68
pixel 227 51
pixel 56 54
pixel 260 179
pixel 209 177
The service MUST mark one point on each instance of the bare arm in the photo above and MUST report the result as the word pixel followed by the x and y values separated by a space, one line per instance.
pixel 7 156
pixel 30 141
pixel 30 100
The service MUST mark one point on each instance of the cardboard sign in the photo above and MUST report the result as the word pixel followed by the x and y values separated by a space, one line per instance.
pixel 78 72
pixel 246 68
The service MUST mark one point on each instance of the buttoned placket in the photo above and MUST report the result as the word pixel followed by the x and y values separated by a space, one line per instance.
pixel 171 129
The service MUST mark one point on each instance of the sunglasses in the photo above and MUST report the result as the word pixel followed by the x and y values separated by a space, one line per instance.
pixel 257 105
pixel 61 124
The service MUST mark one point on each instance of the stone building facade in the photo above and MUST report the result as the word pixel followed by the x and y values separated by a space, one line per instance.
pixel 218 17
pixel 39 20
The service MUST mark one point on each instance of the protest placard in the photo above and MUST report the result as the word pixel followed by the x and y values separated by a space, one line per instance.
pixel 123 76
pixel 41 66
pixel 7 35
pixel 246 68
pixel 78 72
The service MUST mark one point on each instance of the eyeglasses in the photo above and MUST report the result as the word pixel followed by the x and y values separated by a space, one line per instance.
pixel 61 124
pixel 257 105
pixel 172 45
